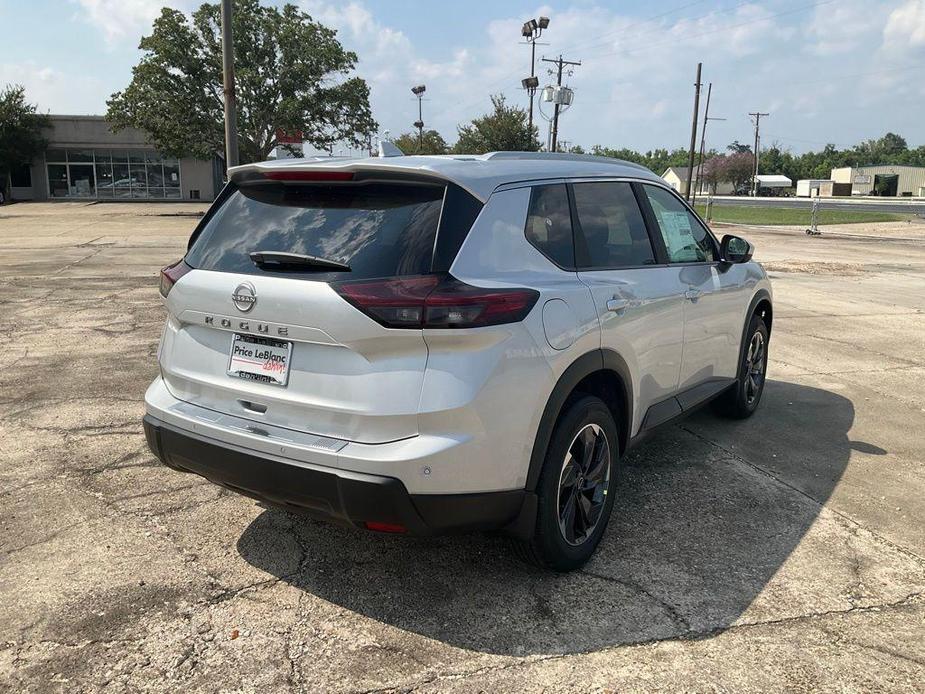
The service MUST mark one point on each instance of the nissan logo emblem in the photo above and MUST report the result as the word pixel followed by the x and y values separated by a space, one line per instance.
pixel 244 297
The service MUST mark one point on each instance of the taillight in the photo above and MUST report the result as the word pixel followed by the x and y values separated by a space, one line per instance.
pixel 170 275
pixel 436 301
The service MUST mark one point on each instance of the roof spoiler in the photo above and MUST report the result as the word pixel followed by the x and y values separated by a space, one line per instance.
pixel 389 149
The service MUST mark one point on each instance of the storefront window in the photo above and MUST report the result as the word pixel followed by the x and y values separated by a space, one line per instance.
pixel 155 175
pixel 104 173
pixel 82 183
pixel 57 181
pixel 104 180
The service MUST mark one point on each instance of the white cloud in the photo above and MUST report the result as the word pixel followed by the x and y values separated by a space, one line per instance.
pixel 52 90
pixel 812 66
pixel 124 19
pixel 843 27
pixel 906 26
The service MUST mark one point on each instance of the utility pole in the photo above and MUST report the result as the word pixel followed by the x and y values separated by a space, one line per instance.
pixel 703 141
pixel 231 118
pixel 757 116
pixel 690 158
pixel 560 63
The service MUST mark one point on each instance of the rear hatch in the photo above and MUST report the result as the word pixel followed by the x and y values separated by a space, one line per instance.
pixel 261 280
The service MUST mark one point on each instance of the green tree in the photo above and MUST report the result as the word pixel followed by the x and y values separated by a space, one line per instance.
pixel 20 133
pixel 887 149
pixel 737 147
pixel 291 74
pixel 432 142
pixel 504 129
pixel 714 171
pixel 657 160
pixel 738 168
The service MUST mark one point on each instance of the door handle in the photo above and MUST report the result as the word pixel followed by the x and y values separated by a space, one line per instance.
pixel 693 294
pixel 616 305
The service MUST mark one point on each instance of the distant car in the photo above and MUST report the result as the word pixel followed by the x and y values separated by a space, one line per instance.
pixel 432 344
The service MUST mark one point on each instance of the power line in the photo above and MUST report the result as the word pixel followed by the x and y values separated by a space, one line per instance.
pixel 659 29
pixel 596 41
pixel 511 75
pixel 674 42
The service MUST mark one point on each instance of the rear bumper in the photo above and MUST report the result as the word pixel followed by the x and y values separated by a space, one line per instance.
pixel 338 495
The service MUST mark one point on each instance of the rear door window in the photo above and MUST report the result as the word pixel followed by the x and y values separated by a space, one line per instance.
pixel 686 239
pixel 549 224
pixel 611 229
pixel 378 229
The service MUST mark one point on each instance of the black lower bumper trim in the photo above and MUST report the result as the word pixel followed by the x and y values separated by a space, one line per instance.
pixel 335 495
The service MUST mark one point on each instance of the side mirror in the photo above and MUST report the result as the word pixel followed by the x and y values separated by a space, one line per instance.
pixel 735 249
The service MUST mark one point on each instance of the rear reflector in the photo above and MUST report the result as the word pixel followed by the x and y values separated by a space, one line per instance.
pixel 385 527
pixel 170 275
pixel 309 175
pixel 436 301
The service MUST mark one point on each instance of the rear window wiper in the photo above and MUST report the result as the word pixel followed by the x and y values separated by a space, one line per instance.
pixel 270 259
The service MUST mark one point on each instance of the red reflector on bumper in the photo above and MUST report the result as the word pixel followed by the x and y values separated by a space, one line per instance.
pixel 385 527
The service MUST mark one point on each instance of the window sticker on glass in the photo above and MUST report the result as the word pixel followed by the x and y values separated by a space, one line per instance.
pixel 679 237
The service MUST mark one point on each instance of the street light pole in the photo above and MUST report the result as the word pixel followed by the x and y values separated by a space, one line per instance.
pixel 231 119
pixel 418 91
pixel 531 31
pixel 532 74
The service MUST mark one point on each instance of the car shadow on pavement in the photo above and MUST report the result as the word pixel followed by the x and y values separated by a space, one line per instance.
pixel 699 528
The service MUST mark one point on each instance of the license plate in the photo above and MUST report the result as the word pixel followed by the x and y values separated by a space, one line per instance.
pixel 262 359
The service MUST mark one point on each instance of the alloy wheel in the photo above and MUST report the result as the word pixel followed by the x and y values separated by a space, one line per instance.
pixel 583 483
pixel 754 367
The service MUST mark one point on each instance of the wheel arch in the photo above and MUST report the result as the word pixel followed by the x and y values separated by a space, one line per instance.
pixel 601 372
pixel 759 305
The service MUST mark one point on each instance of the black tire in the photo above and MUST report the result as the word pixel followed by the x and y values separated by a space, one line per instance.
pixel 550 548
pixel 741 401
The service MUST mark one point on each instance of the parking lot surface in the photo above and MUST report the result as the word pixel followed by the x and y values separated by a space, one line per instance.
pixel 782 552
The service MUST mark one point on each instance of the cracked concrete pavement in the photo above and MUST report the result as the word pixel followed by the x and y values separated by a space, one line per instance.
pixel 783 552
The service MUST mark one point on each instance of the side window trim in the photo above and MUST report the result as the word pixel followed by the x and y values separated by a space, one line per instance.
pixel 655 235
pixel 581 254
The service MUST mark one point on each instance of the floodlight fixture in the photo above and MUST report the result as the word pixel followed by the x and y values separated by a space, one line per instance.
pixel 544 22
pixel 418 90
pixel 530 82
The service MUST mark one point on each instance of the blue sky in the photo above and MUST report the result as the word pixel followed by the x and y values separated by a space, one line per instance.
pixel 828 71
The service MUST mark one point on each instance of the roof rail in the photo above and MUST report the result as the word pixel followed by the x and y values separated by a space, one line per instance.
pixel 561 156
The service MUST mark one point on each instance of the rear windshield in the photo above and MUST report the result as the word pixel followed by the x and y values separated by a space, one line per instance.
pixel 378 229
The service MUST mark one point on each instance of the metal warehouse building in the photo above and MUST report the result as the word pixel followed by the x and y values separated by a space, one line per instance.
pixel 887 180
pixel 85 160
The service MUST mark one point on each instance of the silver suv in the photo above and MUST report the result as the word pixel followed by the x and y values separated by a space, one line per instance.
pixel 432 344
